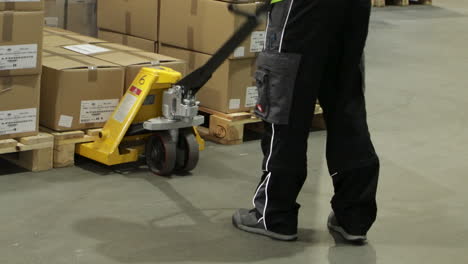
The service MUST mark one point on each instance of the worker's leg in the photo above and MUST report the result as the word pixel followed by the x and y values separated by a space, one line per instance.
pixel 289 74
pixel 351 157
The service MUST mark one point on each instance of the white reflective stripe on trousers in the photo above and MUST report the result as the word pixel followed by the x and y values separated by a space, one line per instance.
pixel 266 201
pixel 266 165
pixel 284 27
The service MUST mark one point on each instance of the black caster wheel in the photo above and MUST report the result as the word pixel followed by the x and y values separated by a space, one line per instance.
pixel 188 152
pixel 161 154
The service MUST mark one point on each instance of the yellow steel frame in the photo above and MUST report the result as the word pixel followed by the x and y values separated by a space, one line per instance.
pixel 133 108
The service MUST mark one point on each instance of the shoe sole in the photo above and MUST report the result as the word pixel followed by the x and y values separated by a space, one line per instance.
pixel 346 236
pixel 262 232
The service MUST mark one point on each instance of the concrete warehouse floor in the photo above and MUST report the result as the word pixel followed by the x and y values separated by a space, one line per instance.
pixel 417 97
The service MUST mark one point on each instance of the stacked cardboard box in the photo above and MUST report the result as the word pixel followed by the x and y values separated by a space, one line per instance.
pixel 75 15
pixel 195 30
pixel 133 23
pixel 84 78
pixel 20 67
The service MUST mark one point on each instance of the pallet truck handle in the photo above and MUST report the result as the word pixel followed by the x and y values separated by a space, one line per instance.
pixel 193 82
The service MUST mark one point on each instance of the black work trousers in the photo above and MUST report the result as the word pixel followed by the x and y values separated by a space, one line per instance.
pixel 314 50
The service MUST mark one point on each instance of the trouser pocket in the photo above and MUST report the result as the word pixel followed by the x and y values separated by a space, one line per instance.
pixel 276 78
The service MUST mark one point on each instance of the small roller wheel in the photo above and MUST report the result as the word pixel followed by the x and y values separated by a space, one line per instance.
pixel 161 154
pixel 188 152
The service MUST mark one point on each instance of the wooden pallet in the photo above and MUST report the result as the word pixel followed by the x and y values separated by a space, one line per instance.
pixel 382 3
pixel 226 129
pixel 229 129
pixel 65 144
pixel 33 153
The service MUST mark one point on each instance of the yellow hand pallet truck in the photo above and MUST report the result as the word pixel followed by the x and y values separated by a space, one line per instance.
pixel 161 108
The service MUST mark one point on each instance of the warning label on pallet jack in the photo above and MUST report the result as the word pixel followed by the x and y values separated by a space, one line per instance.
pixel 18 121
pixel 97 111
pixel 125 106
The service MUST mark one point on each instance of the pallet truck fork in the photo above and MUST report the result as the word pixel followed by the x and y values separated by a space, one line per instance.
pixel 161 108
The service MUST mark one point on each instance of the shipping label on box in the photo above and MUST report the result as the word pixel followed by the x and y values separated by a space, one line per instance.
pixel 16 57
pixel 251 96
pixel 51 21
pixel 234 103
pixel 18 121
pixel 87 49
pixel 239 52
pixel 97 111
pixel 257 41
pixel 65 121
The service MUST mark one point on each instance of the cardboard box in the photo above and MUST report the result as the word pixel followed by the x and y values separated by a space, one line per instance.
pixel 20 43
pixel 78 92
pixel 127 40
pixel 232 87
pixel 19 106
pixel 33 5
pixel 205 25
pixel 131 59
pixel 76 15
pixel 137 18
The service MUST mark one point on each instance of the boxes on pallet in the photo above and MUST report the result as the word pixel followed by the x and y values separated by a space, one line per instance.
pixel 19 106
pixel 76 15
pixel 18 5
pixel 82 72
pixel 205 25
pixel 138 18
pixel 231 89
pixel 127 40
pixel 78 91
pixel 20 66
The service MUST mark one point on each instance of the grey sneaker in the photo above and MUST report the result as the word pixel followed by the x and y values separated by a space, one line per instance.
pixel 247 220
pixel 334 226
